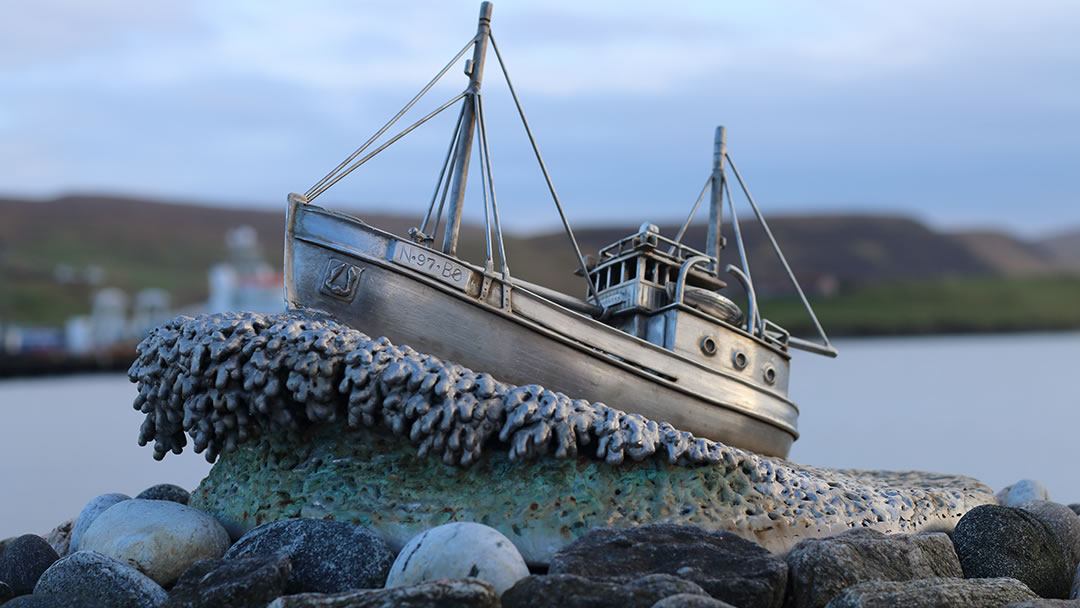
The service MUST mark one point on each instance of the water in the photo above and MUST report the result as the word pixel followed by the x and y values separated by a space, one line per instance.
pixel 998 408
pixel 65 440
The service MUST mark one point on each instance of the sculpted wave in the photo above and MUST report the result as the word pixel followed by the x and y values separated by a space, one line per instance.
pixel 227 378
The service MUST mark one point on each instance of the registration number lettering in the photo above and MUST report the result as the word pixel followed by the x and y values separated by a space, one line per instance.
pixel 431 264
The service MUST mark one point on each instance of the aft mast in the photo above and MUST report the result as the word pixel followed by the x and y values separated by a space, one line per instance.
pixel 475 68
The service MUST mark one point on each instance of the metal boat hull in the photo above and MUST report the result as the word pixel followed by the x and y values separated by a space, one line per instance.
pixel 371 280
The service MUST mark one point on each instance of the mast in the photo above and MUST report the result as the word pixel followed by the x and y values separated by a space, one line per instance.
pixel 715 240
pixel 465 135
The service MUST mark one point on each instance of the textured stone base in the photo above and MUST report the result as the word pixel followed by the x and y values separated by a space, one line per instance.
pixel 376 479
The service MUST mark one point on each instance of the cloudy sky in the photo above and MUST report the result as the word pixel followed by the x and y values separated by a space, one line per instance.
pixel 961 113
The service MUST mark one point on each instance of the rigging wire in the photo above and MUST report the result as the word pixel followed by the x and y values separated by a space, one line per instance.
pixel 386 145
pixel 779 254
pixel 475 99
pixel 693 210
pixel 311 193
pixel 547 177
pixel 442 174
pixel 486 160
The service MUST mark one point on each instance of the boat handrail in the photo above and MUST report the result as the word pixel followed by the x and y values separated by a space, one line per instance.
pixel 684 271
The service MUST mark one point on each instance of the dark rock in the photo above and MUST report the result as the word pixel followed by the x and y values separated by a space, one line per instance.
pixel 165 491
pixel 1075 507
pixel 1045 603
pixel 934 593
pixel 327 556
pixel 245 582
pixel 60 537
pixel 820 568
pixel 96 577
pixel 1064 523
pixel 5 593
pixel 994 541
pixel 572 591
pixel 55 600
pixel 1075 593
pixel 726 566
pixel 439 593
pixel 23 561
pixel 89 513
pixel 689 600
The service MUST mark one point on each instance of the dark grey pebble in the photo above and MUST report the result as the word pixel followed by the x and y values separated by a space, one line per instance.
pixel 994 541
pixel 23 561
pixel 165 491
pixel 327 556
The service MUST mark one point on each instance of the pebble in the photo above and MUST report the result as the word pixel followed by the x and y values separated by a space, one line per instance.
pixel 327 556
pixel 459 550
pixel 455 593
pixel 1064 523
pixel 59 538
pixel 55 600
pixel 160 538
pixel 821 568
pixel 89 513
pixel 932 593
pixel 165 491
pixel 23 561
pixel 726 566
pixel 245 582
pixel 1075 507
pixel 573 591
pixel 6 593
pixel 993 541
pixel 1022 491
pixel 690 600
pixel 99 578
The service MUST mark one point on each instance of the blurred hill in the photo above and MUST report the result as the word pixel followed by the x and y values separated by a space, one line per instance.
pixel 54 254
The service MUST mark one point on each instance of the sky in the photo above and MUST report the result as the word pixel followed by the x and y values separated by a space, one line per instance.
pixel 964 114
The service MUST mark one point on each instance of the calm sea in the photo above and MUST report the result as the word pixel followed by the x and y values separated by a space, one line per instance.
pixel 998 408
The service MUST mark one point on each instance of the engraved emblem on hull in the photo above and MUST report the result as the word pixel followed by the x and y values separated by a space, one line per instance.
pixel 340 279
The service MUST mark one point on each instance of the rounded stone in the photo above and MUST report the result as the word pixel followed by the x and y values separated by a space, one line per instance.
pixel 992 541
pixel 55 600
pixel 1064 523
pixel 1022 491
pixel 89 513
pixel 100 579
pixel 6 593
pixel 459 550
pixel 327 556
pixel 23 561
pixel 160 538
pixel 165 491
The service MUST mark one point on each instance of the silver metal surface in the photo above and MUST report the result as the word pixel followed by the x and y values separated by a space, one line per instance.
pixel 537 340
pixel 656 337
pixel 714 238
pixel 465 135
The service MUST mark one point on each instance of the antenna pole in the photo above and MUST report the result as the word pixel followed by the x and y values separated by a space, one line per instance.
pixel 715 240
pixel 465 135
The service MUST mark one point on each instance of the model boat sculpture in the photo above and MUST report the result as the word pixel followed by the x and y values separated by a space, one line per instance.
pixel 654 334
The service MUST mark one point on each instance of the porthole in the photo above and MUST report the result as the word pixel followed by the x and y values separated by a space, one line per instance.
pixel 769 374
pixel 739 360
pixel 708 346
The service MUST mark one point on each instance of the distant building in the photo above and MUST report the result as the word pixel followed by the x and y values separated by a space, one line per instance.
pixel 245 281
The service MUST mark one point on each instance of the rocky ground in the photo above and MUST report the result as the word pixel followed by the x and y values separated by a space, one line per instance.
pixel 155 551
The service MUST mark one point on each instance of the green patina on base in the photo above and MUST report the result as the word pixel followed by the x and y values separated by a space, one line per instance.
pixel 376 479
